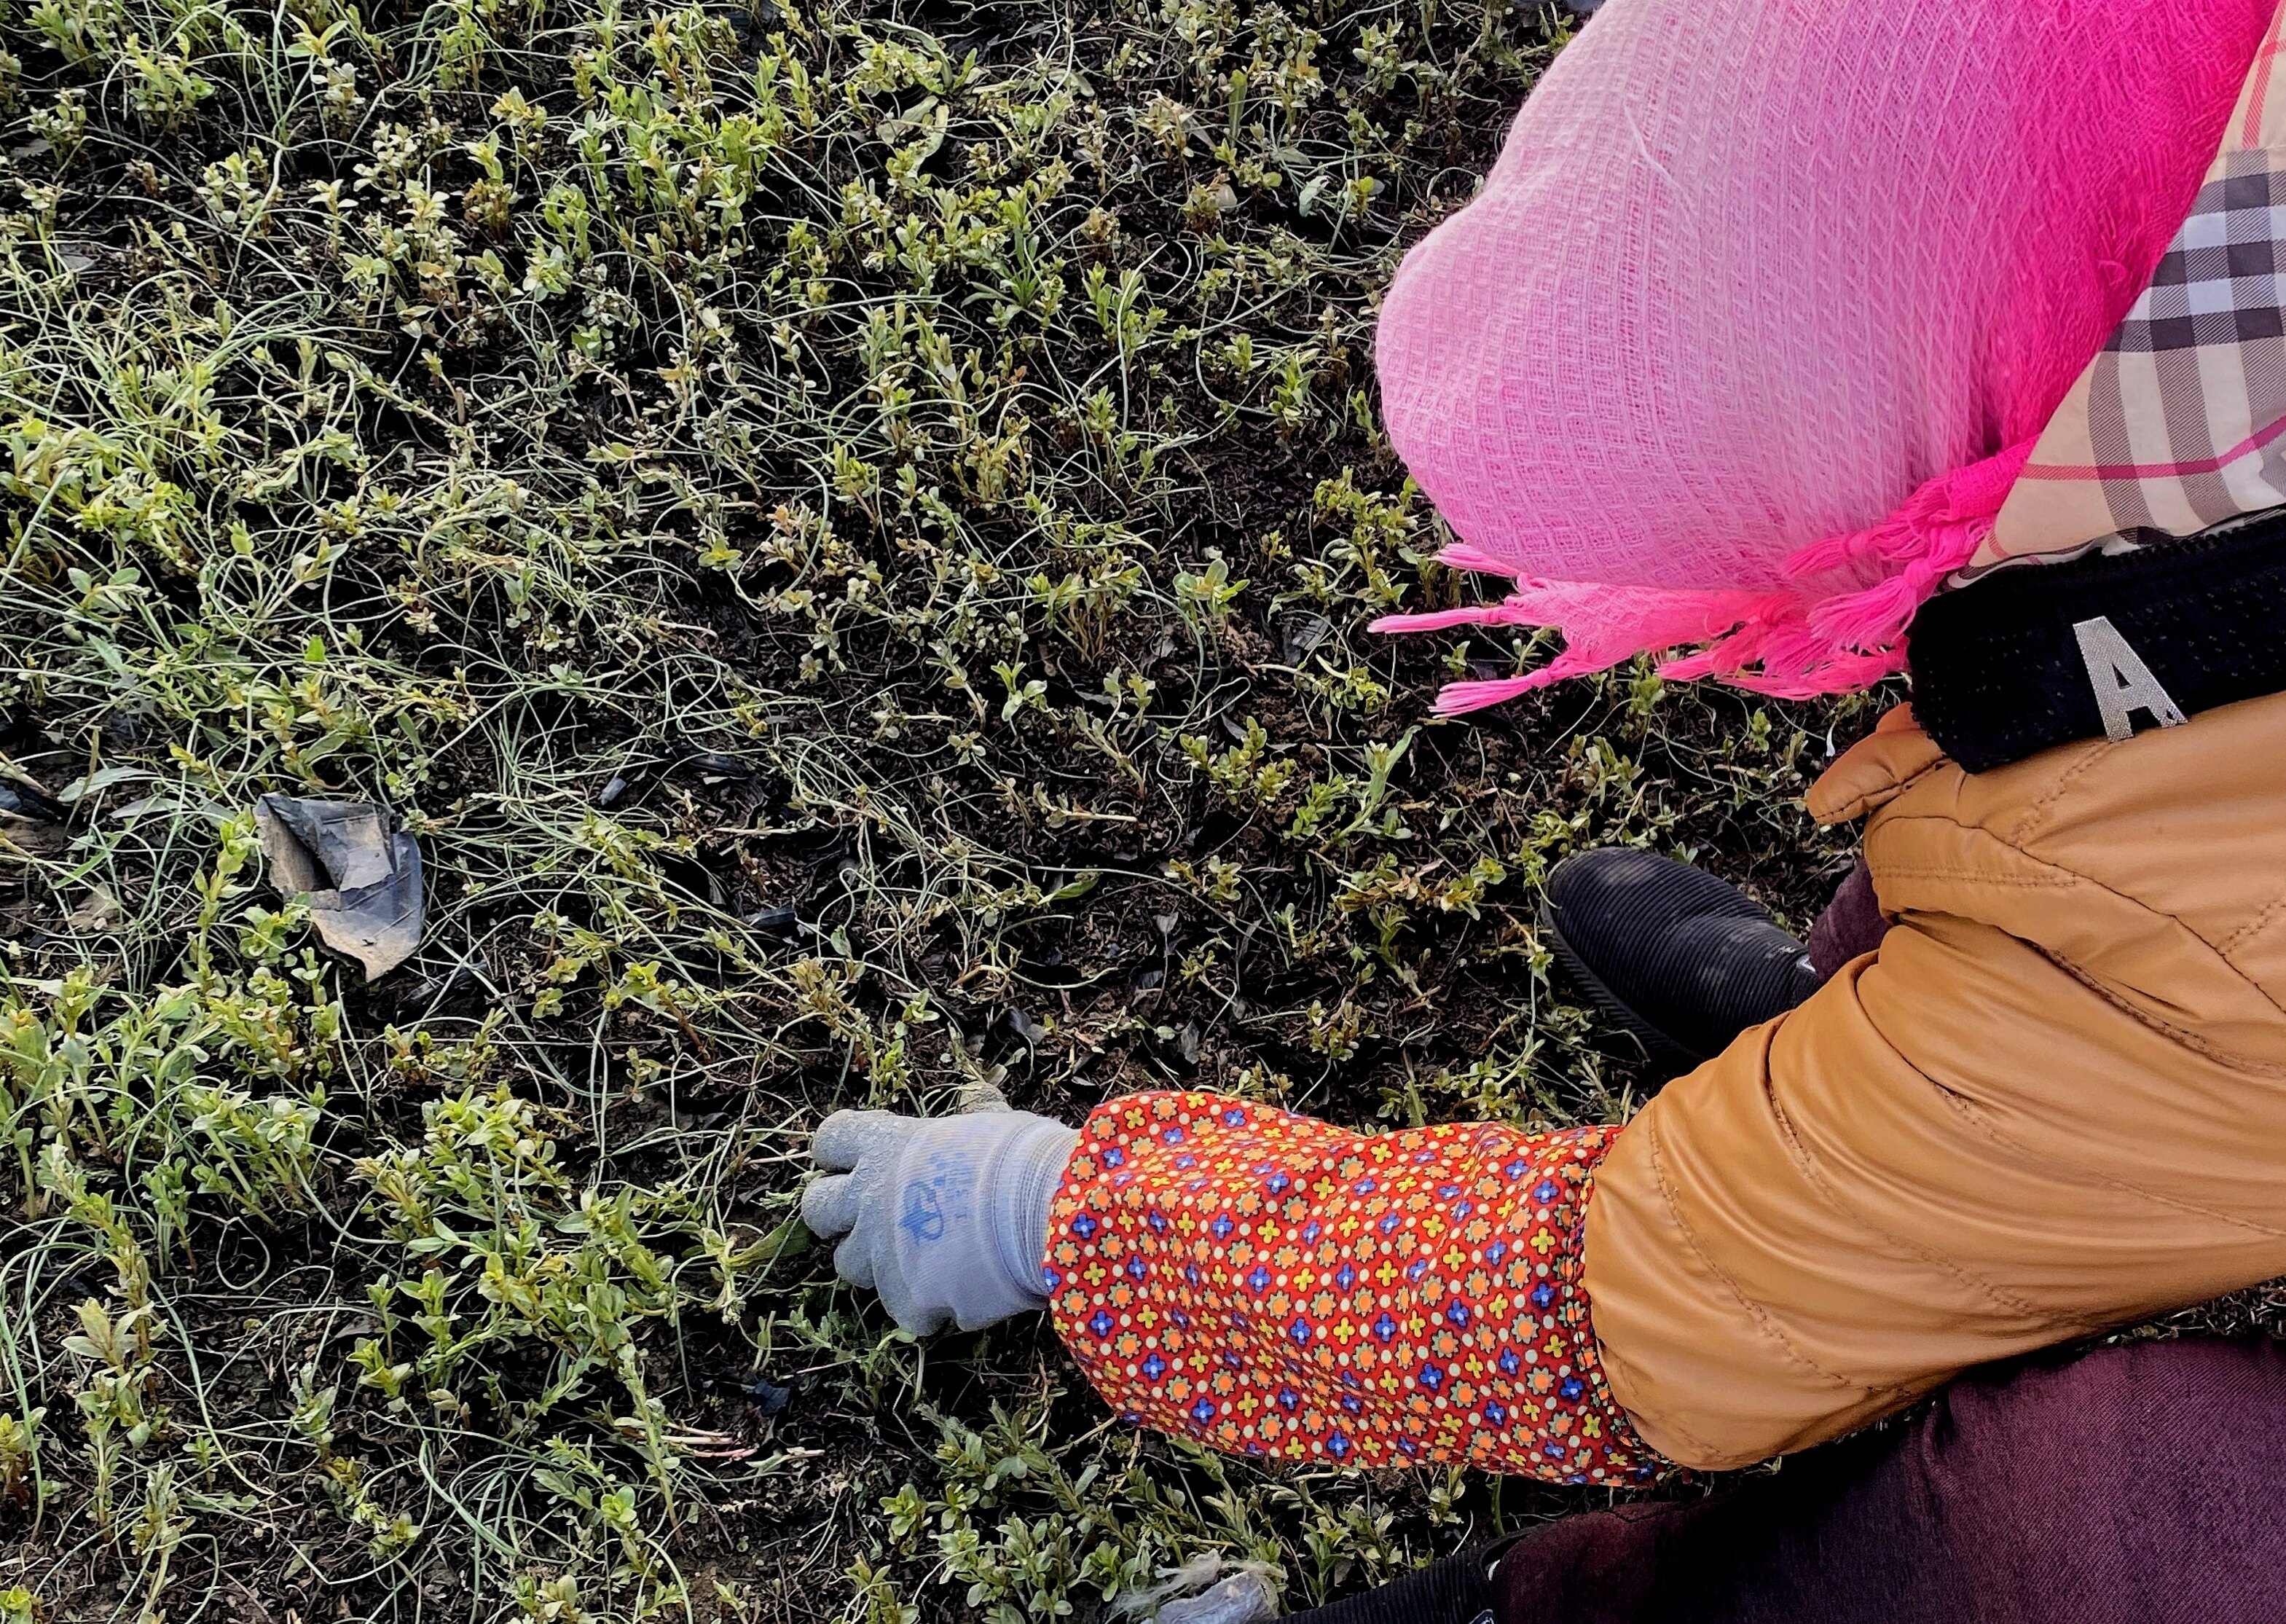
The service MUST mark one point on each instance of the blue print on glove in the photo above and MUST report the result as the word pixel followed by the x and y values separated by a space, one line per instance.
pixel 924 1219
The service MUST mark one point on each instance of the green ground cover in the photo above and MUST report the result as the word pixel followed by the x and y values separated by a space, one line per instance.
pixel 846 533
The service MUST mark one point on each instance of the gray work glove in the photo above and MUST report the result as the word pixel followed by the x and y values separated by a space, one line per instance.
pixel 947 1216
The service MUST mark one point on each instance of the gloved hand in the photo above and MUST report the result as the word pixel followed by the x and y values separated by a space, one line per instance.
pixel 947 1216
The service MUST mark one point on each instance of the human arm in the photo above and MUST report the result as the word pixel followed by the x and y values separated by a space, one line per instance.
pixel 1269 1284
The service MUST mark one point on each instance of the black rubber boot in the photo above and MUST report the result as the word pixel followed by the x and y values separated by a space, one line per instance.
pixel 1677 958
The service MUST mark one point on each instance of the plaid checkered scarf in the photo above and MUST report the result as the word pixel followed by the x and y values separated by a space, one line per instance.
pixel 2180 422
pixel 1771 321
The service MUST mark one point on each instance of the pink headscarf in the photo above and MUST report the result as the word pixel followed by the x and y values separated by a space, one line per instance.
pixel 1766 301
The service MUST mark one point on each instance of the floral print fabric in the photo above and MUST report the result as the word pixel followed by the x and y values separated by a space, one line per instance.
pixel 1272 1285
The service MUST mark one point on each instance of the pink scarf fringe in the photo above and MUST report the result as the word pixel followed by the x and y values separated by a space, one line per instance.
pixel 1802 639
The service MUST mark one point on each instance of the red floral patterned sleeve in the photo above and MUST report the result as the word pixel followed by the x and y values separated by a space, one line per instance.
pixel 1270 1284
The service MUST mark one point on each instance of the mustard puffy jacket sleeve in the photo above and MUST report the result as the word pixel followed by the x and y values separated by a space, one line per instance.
pixel 2054 1102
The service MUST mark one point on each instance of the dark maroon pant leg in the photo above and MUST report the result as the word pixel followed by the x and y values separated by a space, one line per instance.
pixel 2143 1483
pixel 1852 924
